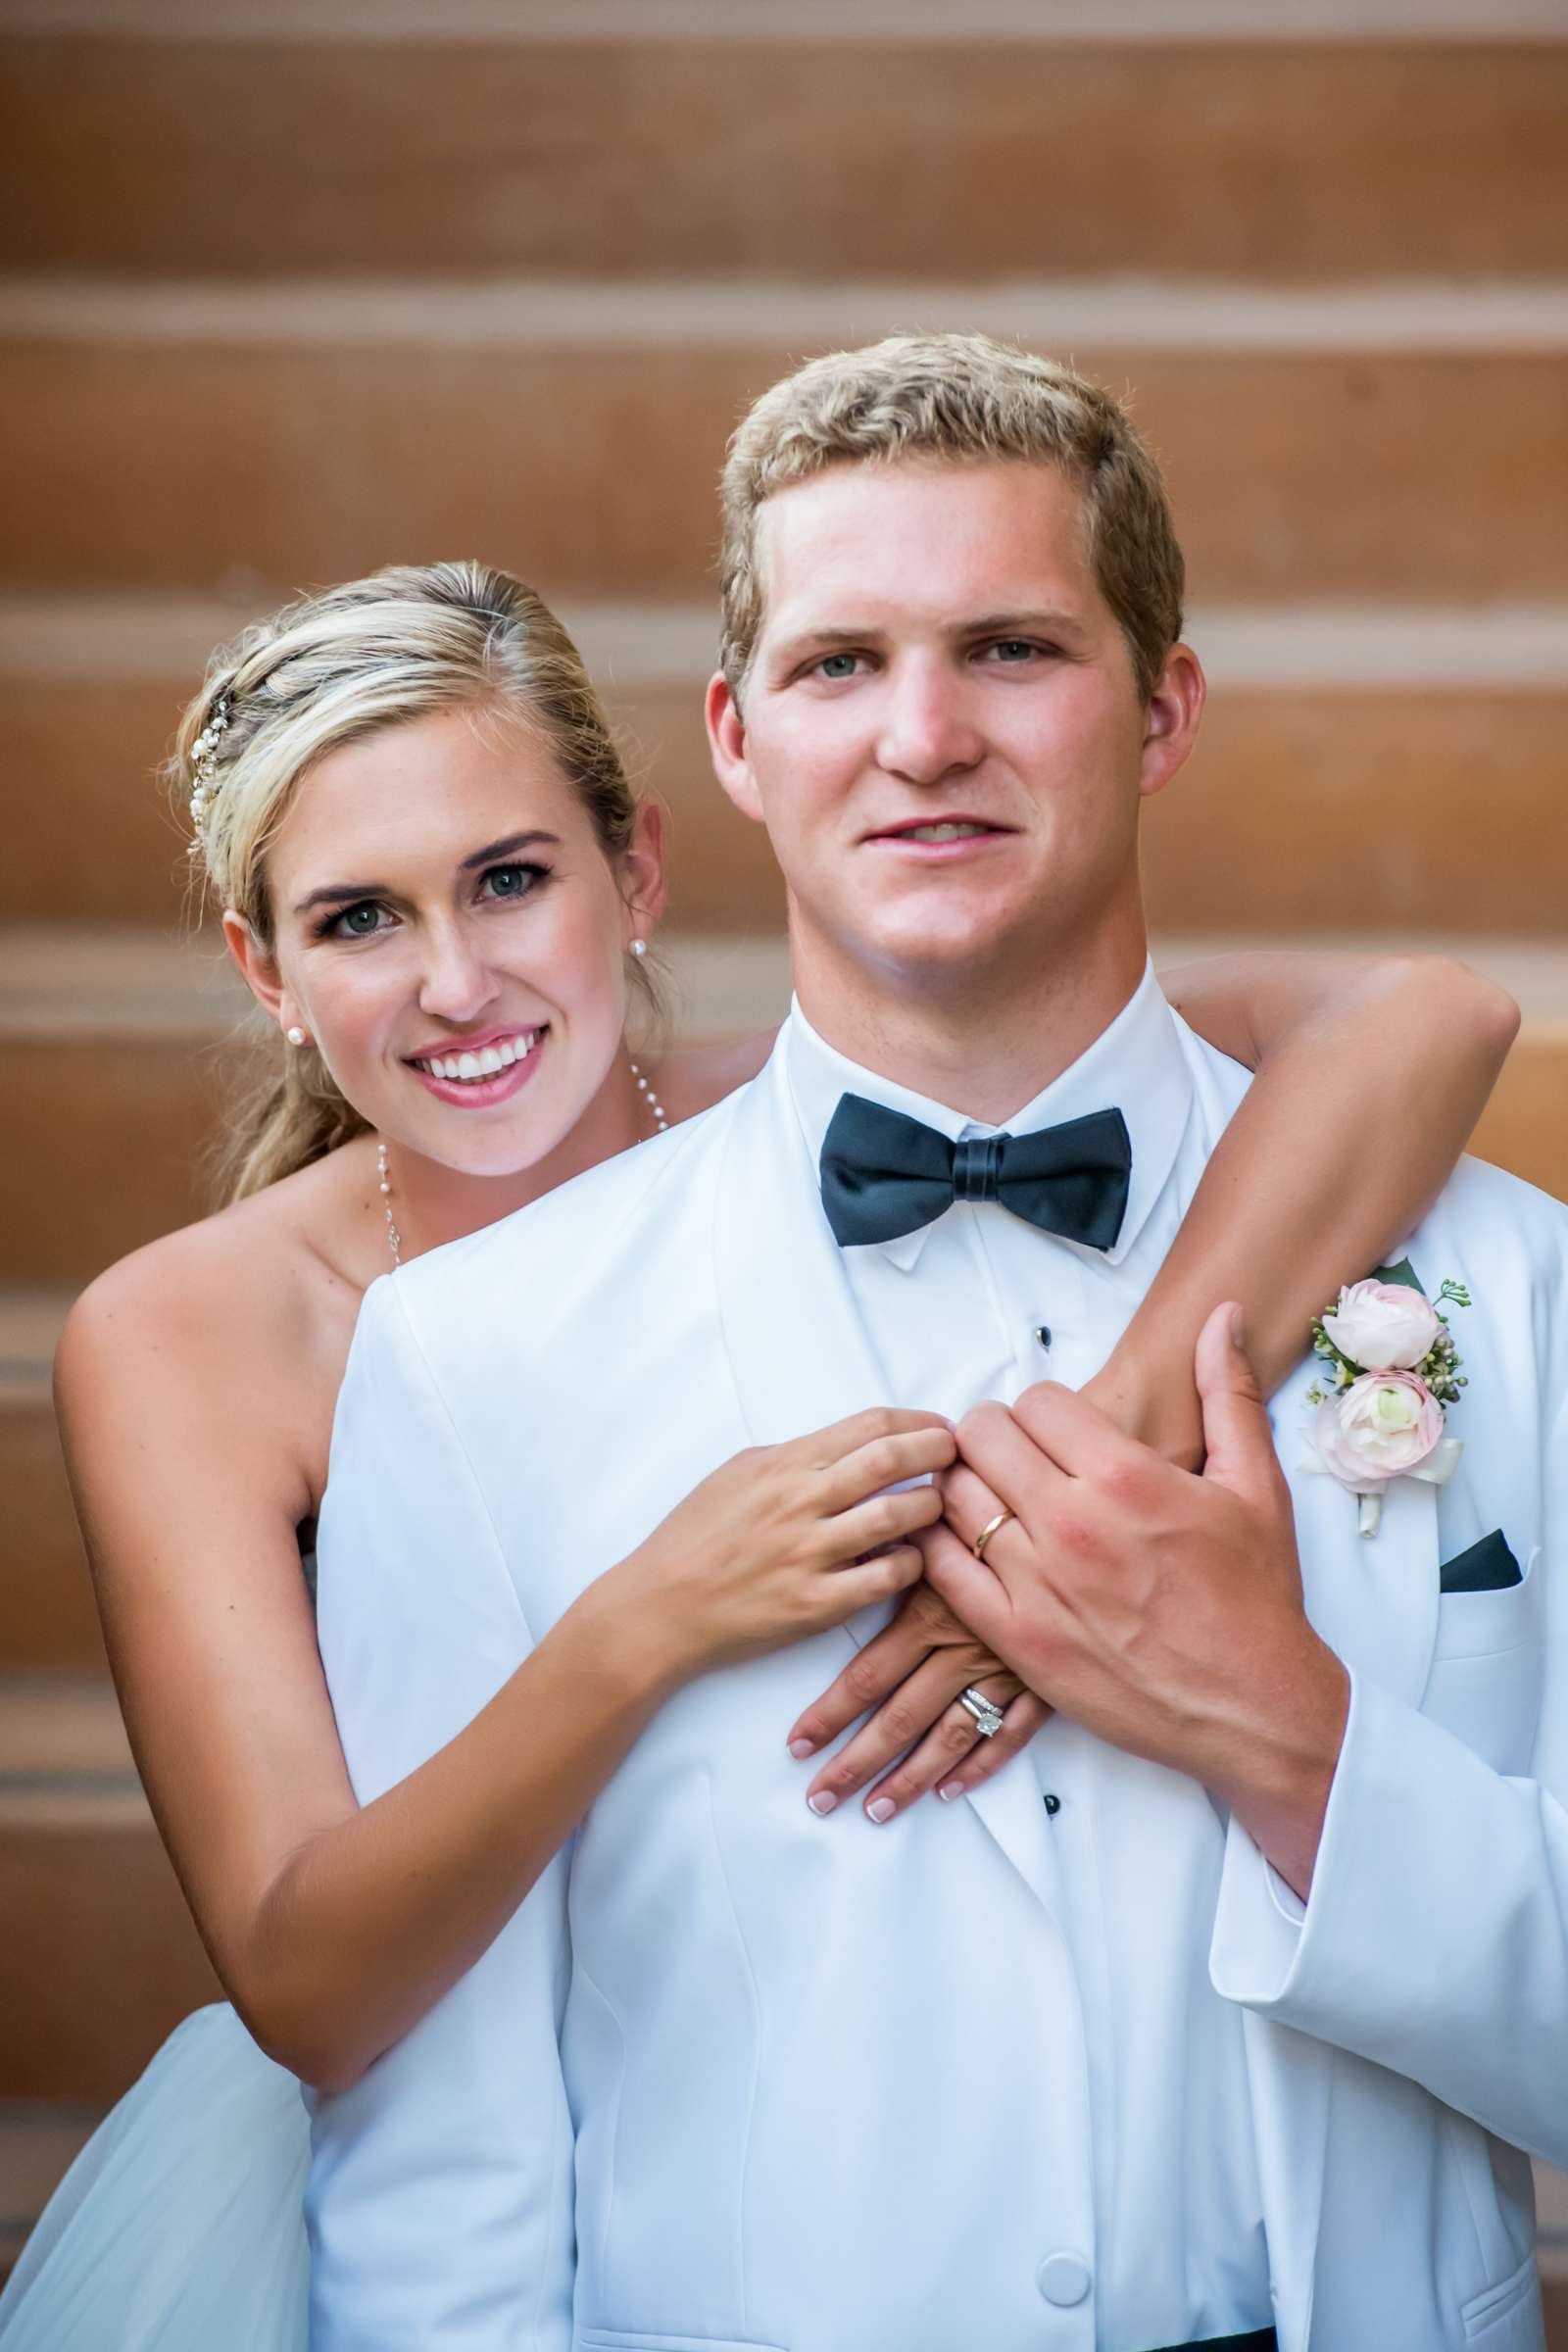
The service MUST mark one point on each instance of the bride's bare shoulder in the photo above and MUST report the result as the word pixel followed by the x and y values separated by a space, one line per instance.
pixel 266 1282
pixel 692 1078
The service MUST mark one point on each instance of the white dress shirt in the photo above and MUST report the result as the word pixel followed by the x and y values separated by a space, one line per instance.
pixel 980 1304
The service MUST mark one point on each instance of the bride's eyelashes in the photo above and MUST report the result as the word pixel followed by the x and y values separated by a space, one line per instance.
pixel 509 883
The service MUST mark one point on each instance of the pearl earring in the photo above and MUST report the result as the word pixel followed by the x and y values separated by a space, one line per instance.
pixel 296 1037
pixel 639 948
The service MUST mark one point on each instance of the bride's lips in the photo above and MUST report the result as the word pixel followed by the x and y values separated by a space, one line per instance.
pixel 498 1085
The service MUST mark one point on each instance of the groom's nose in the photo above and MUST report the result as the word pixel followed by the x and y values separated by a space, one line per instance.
pixel 925 733
pixel 455 983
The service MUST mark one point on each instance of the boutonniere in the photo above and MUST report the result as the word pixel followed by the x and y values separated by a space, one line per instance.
pixel 1390 1372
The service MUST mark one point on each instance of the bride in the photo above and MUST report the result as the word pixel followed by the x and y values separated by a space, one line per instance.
pixel 440 888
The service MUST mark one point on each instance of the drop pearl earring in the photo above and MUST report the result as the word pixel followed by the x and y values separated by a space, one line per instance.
pixel 639 948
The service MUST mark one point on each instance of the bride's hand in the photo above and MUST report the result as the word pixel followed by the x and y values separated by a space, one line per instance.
pixel 912 1674
pixel 785 1541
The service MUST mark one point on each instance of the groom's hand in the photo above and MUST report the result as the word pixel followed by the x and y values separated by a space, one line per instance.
pixel 1159 1608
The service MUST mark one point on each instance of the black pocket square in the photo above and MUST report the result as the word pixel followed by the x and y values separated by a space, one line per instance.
pixel 1487 1567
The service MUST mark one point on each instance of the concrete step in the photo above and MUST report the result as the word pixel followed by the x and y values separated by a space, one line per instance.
pixel 1316 715
pixel 115 1075
pixel 100 1959
pixel 785 154
pixel 46 1612
pixel 191 436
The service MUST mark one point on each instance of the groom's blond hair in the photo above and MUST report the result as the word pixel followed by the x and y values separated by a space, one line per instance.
pixel 964 398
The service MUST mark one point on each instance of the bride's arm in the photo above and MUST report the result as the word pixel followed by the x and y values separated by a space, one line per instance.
pixel 191 1418
pixel 1371 1072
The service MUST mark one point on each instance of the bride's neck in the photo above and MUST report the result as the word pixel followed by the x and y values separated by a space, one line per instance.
pixel 433 1204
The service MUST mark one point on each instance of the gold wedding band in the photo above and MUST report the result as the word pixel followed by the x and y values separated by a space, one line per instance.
pixel 978 1546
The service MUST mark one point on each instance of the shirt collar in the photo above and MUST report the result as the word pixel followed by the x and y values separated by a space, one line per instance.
pixel 1134 1065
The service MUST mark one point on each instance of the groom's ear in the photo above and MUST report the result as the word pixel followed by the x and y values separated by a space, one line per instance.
pixel 727 741
pixel 1171 720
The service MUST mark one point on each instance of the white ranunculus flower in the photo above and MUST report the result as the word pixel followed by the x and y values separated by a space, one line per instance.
pixel 1383 1326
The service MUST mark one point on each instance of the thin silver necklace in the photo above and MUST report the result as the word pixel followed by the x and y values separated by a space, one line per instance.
pixel 395 1239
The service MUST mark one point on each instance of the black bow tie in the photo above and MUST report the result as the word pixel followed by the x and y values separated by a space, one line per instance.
pixel 883 1174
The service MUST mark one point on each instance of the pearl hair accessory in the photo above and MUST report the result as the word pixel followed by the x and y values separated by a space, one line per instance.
pixel 384 1181
pixel 295 1035
pixel 203 764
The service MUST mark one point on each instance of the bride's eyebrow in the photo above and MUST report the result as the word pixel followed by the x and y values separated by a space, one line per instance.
pixel 334 893
pixel 508 848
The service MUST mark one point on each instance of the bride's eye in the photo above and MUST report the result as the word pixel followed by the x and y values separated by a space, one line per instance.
pixel 513 881
pixel 363 920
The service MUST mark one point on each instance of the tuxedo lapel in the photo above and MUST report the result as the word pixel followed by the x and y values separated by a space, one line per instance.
pixel 1374 1599
pixel 801 1356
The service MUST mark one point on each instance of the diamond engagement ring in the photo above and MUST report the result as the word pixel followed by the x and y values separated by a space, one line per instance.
pixel 985 1711
pixel 978 1546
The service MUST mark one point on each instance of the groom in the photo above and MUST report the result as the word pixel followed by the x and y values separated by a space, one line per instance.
pixel 1230 2006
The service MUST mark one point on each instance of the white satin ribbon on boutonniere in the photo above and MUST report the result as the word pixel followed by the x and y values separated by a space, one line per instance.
pixel 1435 1471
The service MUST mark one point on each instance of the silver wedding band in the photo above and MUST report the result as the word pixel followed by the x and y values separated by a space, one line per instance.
pixel 985 1711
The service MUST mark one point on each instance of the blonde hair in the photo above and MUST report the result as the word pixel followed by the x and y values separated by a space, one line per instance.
pixel 331 669
pixel 964 398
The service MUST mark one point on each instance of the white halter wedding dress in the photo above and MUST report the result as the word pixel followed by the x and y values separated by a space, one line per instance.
pixel 180 2225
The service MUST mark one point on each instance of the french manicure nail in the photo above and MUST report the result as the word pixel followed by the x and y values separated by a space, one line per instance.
pixel 950 1789
pixel 881 1808
pixel 799 1749
pixel 823 1802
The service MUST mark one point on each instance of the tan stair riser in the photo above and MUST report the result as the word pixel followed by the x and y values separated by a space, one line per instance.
pixel 1525 1126
pixel 804 158
pixel 1303 808
pixel 38 2139
pixel 110 1142
pixel 98 1963
pixel 96 1170
pixel 93 829
pixel 592 471
pixel 46 1610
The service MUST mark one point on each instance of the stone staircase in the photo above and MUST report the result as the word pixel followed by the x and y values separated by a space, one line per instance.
pixel 290 288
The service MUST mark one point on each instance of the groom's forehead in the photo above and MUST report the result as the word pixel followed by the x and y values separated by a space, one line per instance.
pixel 957 535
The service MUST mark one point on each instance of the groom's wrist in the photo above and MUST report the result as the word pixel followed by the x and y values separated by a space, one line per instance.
pixel 1279 1787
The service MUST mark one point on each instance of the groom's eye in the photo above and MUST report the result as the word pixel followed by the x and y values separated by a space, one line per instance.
pixel 1012 648
pixel 838 666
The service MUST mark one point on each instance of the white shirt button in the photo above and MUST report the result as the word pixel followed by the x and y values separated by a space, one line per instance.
pixel 1063 2279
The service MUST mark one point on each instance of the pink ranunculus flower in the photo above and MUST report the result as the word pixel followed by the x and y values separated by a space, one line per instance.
pixel 1382 1425
pixel 1383 1326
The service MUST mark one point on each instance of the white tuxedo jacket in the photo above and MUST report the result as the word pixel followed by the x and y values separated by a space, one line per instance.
pixel 735 2078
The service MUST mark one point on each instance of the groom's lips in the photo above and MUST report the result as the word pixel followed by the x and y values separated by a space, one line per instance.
pixel 903 837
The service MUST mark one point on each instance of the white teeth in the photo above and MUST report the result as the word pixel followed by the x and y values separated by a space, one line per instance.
pixel 488 1063
pixel 942 832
